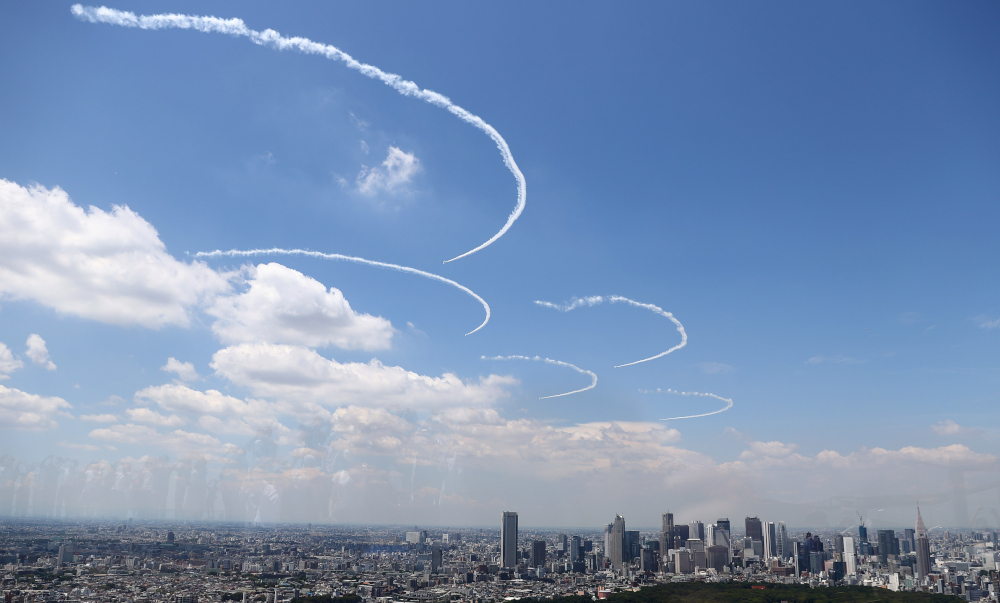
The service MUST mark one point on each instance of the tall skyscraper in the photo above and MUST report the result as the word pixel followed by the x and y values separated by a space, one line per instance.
pixel 887 545
pixel 769 536
pixel 508 539
pixel 781 541
pixel 576 549
pixel 697 530
pixel 850 562
pixel 723 536
pixel 754 529
pixel 538 553
pixel 863 540
pixel 617 544
pixel 667 535
pixel 63 556
pixel 923 547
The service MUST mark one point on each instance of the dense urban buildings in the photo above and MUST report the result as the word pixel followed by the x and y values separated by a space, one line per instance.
pixel 159 561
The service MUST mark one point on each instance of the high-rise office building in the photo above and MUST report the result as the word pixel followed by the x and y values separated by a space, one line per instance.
pixel 538 553
pixel 863 540
pixel 576 549
pixel 562 544
pixel 754 529
pixel 909 535
pixel 681 534
pixel 170 537
pixel 887 545
pixel 696 530
pixel 923 547
pixel 633 544
pixel 850 561
pixel 508 539
pixel 770 551
pixel 723 535
pixel 781 541
pixel 63 557
pixel 666 535
pixel 617 543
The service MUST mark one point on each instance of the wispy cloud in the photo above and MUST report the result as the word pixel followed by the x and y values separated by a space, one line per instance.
pixel 101 418
pixel 714 368
pixel 833 360
pixel 988 324
pixel 8 362
pixel 948 427
pixel 392 176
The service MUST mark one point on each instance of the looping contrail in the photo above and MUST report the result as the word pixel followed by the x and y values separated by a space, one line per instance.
pixel 348 258
pixel 728 401
pixel 593 376
pixel 594 300
pixel 272 39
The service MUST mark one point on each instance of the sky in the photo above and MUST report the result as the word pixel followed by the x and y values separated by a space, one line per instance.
pixel 798 199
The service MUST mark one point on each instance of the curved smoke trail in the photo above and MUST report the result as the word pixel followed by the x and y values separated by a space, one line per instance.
pixel 593 376
pixel 728 401
pixel 272 39
pixel 348 258
pixel 594 300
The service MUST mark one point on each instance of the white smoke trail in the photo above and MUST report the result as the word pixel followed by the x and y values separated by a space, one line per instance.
pixel 594 300
pixel 272 39
pixel 593 377
pixel 728 401
pixel 347 258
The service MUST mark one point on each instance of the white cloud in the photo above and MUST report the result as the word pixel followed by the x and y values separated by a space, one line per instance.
pixel 714 368
pixel 184 370
pixel 301 376
pixel 833 360
pixel 73 446
pixel 100 418
pixel 394 173
pixel 951 428
pixel 177 441
pixel 146 415
pixel 283 305
pixel 105 266
pixel 38 352
pixel 988 324
pixel 21 410
pixel 8 363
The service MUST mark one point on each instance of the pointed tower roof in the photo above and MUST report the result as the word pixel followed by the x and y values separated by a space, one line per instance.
pixel 921 528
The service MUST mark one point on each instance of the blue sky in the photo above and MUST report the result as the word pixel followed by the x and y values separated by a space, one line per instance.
pixel 810 188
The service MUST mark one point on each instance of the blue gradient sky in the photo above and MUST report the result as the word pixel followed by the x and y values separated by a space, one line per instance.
pixel 810 188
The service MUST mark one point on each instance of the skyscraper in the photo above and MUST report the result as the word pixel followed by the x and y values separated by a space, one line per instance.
pixel 508 539
pixel 781 541
pixel 887 545
pixel 754 529
pixel 770 551
pixel 923 548
pixel 697 530
pixel 667 535
pixel 538 553
pixel 723 536
pixel 617 542
pixel 576 549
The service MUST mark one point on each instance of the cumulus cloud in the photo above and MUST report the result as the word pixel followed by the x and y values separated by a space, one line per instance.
pixel 282 305
pixel 300 375
pixel 212 410
pixel 21 410
pixel 8 362
pixel 177 441
pixel 100 418
pixel 104 266
pixel 151 417
pixel 38 352
pixel 395 172
pixel 184 370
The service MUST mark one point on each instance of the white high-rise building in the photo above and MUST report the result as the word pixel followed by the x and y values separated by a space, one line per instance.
pixel 508 539
pixel 781 541
pixel 769 536
pixel 850 561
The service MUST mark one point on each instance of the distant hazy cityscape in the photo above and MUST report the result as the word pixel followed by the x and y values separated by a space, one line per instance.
pixel 159 561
